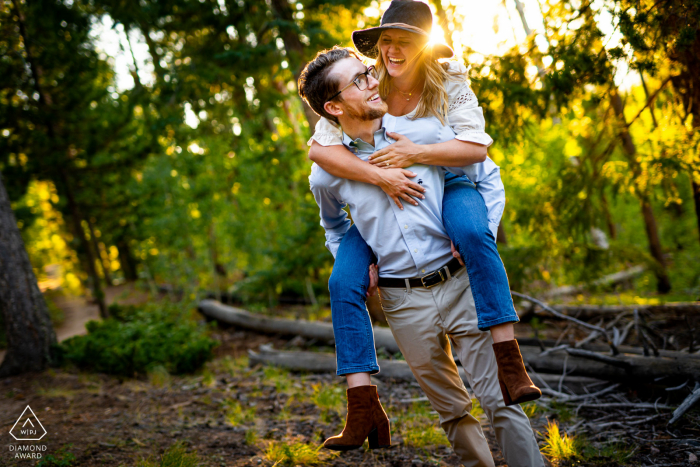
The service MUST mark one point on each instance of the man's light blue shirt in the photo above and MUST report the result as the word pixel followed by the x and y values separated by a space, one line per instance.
pixel 413 241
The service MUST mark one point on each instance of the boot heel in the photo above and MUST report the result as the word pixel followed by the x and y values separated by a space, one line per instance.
pixel 506 396
pixel 380 437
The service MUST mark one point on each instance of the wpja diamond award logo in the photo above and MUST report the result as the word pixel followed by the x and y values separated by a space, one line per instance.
pixel 27 428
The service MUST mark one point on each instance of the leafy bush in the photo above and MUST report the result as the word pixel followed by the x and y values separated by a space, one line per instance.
pixel 137 339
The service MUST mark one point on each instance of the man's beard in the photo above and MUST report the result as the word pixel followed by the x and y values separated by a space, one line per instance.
pixel 367 113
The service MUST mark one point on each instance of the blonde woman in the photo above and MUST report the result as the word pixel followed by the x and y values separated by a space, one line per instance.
pixel 413 83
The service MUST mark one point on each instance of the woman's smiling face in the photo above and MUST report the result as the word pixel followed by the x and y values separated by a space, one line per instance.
pixel 400 50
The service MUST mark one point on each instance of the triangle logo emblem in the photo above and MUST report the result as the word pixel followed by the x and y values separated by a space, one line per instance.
pixel 28 427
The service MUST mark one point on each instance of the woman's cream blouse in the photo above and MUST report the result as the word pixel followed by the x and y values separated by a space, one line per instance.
pixel 464 115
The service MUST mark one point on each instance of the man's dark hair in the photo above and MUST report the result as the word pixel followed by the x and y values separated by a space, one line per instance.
pixel 314 85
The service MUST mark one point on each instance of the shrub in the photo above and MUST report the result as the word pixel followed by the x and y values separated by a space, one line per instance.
pixel 137 339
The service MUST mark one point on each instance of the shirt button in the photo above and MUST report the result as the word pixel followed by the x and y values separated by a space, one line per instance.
pixel 422 270
pixel 405 226
pixel 415 251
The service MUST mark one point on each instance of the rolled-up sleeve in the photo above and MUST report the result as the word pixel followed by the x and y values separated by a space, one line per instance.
pixel 487 178
pixel 334 219
pixel 326 133
pixel 464 114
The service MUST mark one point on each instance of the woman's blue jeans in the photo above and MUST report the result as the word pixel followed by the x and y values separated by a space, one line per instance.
pixel 464 215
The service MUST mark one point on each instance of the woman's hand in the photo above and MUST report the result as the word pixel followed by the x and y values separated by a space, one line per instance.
pixel 403 153
pixel 396 184
pixel 456 254
pixel 373 280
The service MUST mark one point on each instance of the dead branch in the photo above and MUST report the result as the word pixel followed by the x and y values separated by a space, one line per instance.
pixel 569 318
pixel 686 405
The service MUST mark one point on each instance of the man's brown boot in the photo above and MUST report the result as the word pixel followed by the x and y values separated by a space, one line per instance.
pixel 516 385
pixel 366 417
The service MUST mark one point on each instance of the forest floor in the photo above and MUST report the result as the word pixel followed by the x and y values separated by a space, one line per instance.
pixel 230 414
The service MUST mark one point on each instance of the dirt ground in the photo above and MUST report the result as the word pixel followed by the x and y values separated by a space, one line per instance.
pixel 233 415
pixel 229 414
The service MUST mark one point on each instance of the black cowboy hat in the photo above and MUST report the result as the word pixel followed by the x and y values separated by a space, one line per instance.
pixel 409 15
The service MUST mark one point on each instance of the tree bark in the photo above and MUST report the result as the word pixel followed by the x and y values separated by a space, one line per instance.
pixel 663 283
pixel 31 340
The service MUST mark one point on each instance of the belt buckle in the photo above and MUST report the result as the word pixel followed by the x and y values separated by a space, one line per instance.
pixel 430 276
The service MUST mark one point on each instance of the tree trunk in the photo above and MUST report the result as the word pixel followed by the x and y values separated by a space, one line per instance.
pixel 294 49
pixel 31 340
pixel 663 283
pixel 98 254
pixel 126 260
pixel 45 102
pixel 97 293
pixel 501 235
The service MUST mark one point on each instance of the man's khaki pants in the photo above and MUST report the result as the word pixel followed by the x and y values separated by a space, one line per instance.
pixel 421 320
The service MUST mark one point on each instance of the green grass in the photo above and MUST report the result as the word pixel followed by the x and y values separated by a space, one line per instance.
pixel 295 453
pixel 532 408
pixel 329 399
pixel 285 413
pixel 420 428
pixel 279 377
pixel 62 458
pixel 251 437
pixel 236 414
pixel 562 411
pixel 558 446
pixel 175 456
pixel 476 411
pixel 158 376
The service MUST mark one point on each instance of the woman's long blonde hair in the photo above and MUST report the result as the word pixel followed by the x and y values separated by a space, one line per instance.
pixel 434 99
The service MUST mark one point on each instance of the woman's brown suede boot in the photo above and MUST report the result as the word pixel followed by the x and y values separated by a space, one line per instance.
pixel 516 385
pixel 366 418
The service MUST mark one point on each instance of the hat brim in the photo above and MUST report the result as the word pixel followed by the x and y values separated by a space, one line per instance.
pixel 365 41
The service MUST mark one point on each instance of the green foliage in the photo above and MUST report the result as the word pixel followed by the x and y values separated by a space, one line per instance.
pixel 175 456
pixel 196 175
pixel 62 458
pixel 139 338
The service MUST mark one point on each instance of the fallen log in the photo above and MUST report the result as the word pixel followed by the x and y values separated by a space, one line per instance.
pixel 674 370
pixel 594 311
pixel 321 332
pixel 636 368
pixel 316 362
pixel 608 280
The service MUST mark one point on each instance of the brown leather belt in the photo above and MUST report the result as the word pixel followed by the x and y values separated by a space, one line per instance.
pixel 429 280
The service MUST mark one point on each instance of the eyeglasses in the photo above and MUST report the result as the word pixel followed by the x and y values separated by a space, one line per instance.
pixel 361 81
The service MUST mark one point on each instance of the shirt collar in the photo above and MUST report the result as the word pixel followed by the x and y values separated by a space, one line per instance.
pixel 359 143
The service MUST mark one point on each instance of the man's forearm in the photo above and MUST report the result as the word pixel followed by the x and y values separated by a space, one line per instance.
pixel 452 153
pixel 338 161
